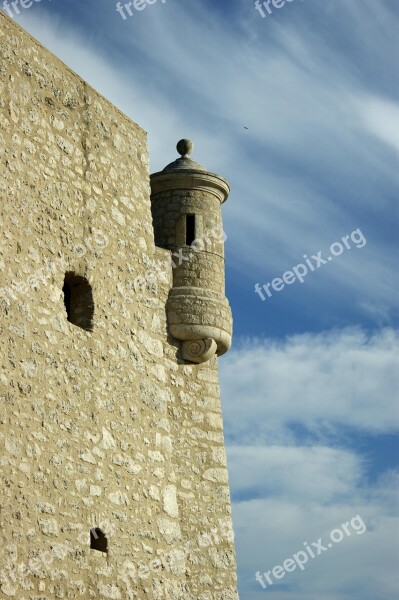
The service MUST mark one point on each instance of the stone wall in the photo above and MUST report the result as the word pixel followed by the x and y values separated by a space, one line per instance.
pixel 105 428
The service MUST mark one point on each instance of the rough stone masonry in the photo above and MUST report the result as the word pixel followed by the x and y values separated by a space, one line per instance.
pixel 113 469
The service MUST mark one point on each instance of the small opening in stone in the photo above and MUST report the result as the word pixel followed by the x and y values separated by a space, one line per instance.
pixel 98 540
pixel 190 229
pixel 78 301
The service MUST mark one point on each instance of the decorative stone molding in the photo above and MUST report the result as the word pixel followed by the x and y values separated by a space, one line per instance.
pixel 193 179
pixel 199 351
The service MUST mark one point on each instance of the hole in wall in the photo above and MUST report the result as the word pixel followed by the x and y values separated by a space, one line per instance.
pixel 98 540
pixel 78 301
pixel 190 229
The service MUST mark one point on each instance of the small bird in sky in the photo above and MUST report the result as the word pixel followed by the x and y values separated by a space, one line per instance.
pixel 245 127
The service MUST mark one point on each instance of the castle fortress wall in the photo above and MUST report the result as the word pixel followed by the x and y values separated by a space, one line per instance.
pixel 104 428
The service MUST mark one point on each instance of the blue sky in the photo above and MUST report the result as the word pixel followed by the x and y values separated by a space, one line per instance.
pixel 310 388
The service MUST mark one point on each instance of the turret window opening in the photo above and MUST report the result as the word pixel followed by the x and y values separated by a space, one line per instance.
pixel 190 229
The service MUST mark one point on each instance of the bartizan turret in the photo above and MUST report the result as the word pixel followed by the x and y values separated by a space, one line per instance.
pixel 186 208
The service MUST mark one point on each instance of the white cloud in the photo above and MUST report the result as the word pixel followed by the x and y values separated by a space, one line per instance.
pixel 321 382
pixel 289 489
pixel 306 473
pixel 381 118
pixel 362 566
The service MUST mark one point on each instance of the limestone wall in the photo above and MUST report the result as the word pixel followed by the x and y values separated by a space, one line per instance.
pixel 104 428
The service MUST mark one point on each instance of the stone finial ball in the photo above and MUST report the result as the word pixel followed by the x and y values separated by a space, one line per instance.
pixel 185 147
